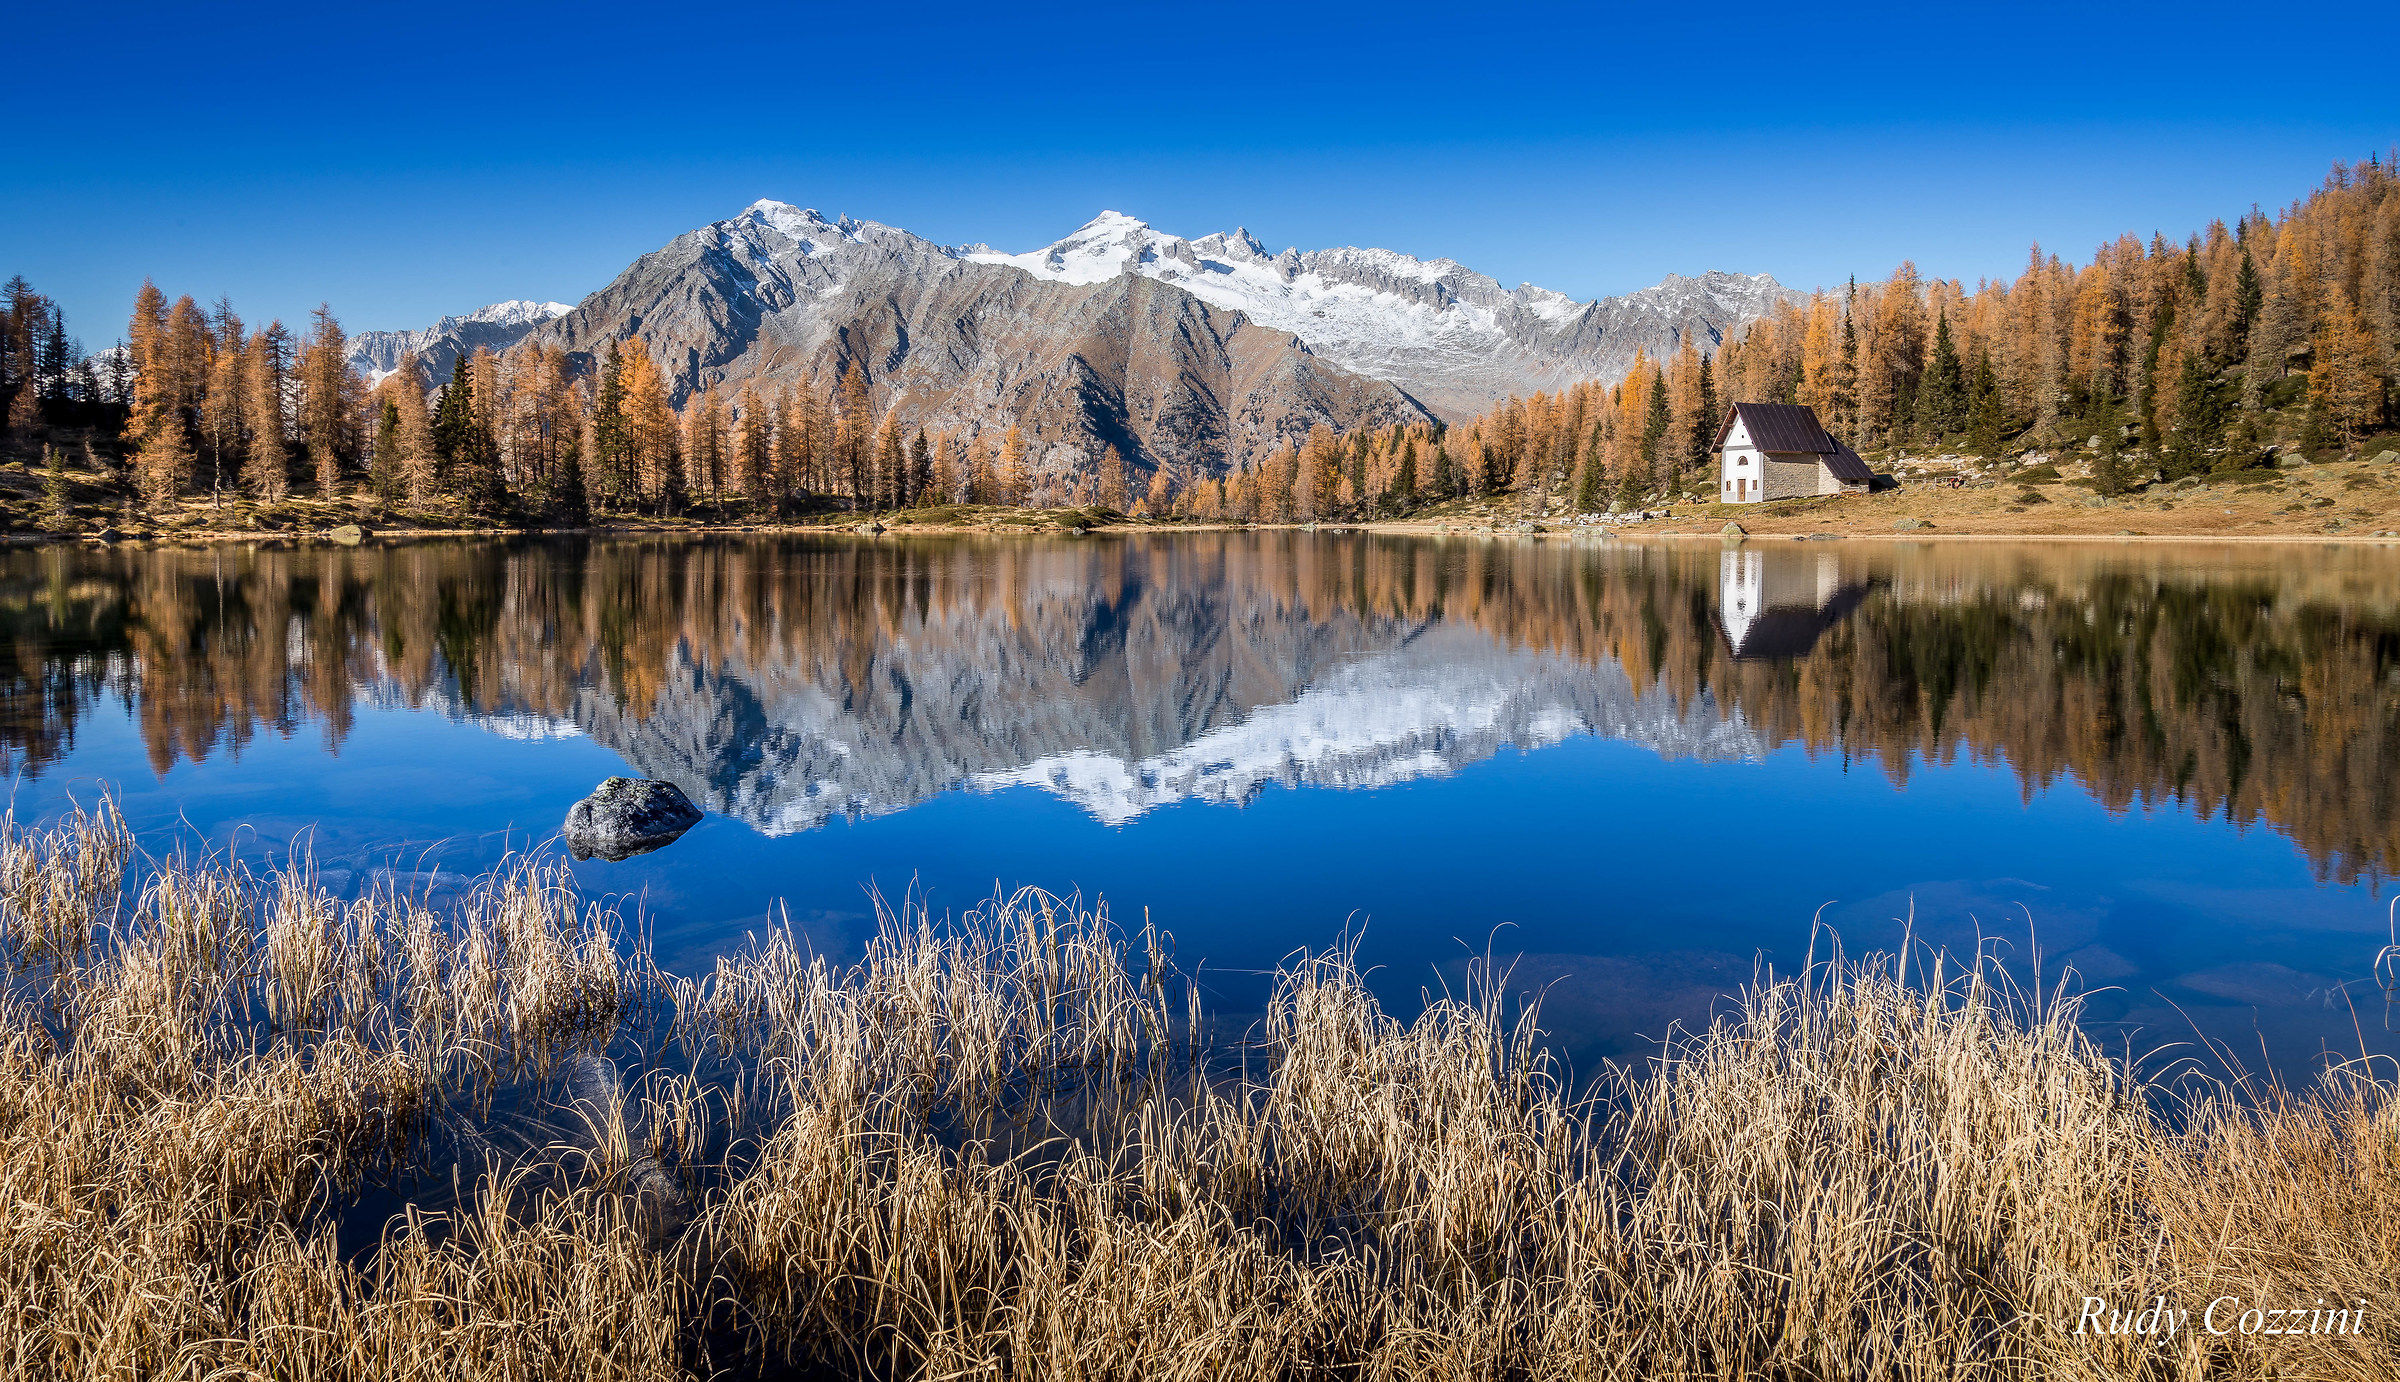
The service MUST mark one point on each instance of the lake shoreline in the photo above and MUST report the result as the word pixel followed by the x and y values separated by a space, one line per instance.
pixel 1667 530
pixel 2351 501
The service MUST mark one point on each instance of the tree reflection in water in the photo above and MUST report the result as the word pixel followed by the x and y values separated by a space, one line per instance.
pixel 787 681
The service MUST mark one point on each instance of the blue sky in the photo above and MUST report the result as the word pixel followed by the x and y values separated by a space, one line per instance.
pixel 403 162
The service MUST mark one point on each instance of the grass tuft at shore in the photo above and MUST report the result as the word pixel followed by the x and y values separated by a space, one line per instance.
pixel 249 1129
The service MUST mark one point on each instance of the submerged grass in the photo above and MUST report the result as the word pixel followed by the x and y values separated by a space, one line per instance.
pixel 248 1130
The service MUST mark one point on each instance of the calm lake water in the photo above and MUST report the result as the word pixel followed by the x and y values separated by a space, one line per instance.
pixel 1641 769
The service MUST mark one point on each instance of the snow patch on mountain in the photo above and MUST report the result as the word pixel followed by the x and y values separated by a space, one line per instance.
pixel 377 354
pixel 514 312
pixel 806 230
pixel 1097 252
pixel 1455 338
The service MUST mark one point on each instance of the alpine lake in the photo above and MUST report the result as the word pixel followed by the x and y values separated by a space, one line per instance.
pixel 1635 774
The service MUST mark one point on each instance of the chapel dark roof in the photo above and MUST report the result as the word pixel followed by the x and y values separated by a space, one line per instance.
pixel 1793 427
pixel 1847 465
pixel 1780 427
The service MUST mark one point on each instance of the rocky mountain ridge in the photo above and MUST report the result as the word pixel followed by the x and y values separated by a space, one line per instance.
pixel 1453 338
pixel 1189 353
pixel 779 294
pixel 377 354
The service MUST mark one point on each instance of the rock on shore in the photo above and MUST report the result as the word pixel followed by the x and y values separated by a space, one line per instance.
pixel 626 816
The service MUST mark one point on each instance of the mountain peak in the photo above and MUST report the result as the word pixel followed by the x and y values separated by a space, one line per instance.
pixel 516 312
pixel 795 222
pixel 1095 252
pixel 1236 244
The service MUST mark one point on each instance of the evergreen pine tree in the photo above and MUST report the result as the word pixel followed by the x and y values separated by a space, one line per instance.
pixel 1654 432
pixel 57 357
pixel 1630 490
pixel 1588 484
pixel 567 505
pixel 1704 422
pixel 1844 422
pixel 462 437
pixel 1942 399
pixel 610 461
pixel 1445 474
pixel 2317 433
pixel 1403 493
pixel 453 416
pixel 920 473
pixel 55 517
pixel 1984 422
pixel 2249 295
pixel 2200 421
pixel 2112 473
pixel 383 474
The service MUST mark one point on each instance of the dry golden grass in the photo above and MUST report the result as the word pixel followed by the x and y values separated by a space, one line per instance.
pixel 249 1130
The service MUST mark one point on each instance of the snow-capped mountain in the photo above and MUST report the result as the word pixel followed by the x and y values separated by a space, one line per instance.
pixel 497 327
pixel 1453 338
pixel 779 295
pixel 1200 353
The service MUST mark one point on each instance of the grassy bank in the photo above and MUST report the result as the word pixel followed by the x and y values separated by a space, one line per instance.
pixel 994 1150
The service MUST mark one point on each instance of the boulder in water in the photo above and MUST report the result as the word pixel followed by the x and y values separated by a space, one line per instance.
pixel 1733 531
pixel 347 534
pixel 618 1129
pixel 626 816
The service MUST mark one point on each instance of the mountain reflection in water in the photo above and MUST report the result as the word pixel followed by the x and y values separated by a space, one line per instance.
pixel 786 682
pixel 1636 770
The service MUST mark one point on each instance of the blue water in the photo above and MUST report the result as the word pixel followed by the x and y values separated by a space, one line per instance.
pixel 1582 773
